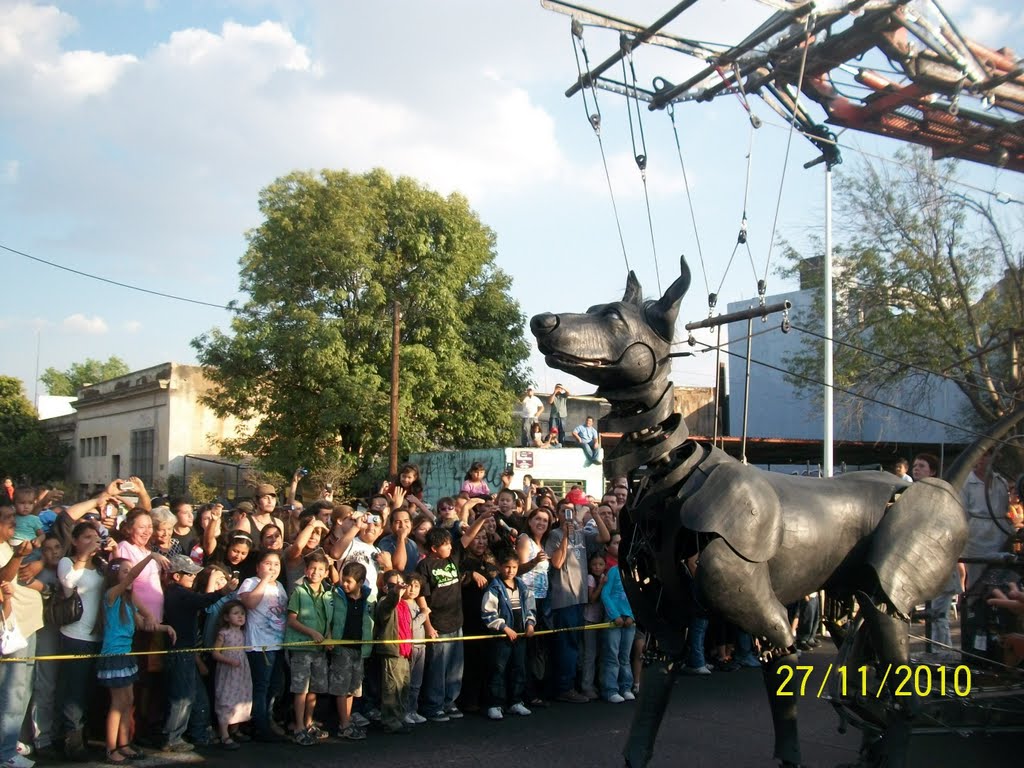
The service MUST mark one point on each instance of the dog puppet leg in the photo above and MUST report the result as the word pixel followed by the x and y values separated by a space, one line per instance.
pixel 777 671
pixel 655 692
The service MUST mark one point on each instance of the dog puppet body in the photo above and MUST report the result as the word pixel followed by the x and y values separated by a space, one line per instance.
pixel 763 539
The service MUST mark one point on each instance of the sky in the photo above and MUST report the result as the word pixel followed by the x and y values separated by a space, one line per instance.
pixel 135 137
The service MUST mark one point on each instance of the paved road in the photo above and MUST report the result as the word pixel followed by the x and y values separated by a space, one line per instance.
pixel 719 720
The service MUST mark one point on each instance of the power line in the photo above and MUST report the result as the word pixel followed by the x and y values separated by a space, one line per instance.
pixel 119 284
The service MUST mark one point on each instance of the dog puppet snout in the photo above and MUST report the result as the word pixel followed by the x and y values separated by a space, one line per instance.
pixel 543 324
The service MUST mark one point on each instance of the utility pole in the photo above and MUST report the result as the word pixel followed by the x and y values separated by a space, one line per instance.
pixel 393 453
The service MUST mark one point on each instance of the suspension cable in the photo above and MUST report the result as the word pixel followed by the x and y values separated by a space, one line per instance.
pixel 576 33
pixel 789 143
pixel 689 200
pixel 641 155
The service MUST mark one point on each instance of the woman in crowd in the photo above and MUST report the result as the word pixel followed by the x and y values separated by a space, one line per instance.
pixel 80 570
pixel 534 571
pixel 421 526
pixel 163 541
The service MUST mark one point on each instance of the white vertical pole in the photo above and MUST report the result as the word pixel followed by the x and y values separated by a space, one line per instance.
pixel 827 394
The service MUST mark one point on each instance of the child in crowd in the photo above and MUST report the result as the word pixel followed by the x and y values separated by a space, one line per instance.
pixel 266 602
pixel 442 594
pixel 310 609
pixel 474 484
pixel 233 679
pixel 508 607
pixel 418 659
pixel 593 613
pixel 351 620
pixel 115 669
pixel 187 700
pixel 617 642
pixel 27 525
pixel 45 678
pixel 393 622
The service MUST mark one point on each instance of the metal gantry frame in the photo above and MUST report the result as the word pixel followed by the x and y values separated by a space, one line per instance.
pixel 953 95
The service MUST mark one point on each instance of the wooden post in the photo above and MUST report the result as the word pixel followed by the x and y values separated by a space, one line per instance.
pixel 393 453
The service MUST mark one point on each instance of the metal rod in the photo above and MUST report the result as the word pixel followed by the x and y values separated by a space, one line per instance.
pixel 771 27
pixel 746 391
pixel 640 38
pixel 743 314
pixel 829 426
pixel 718 382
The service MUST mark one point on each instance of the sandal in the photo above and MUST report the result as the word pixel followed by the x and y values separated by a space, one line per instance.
pixel 110 757
pixel 131 752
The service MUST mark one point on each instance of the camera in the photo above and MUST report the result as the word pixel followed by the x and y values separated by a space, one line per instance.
pixel 569 514
pixel 373 519
pixel 127 486
pixel 235 574
pixel 303 471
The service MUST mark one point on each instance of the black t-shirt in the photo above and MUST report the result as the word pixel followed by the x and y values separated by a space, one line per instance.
pixel 442 589
pixel 354 619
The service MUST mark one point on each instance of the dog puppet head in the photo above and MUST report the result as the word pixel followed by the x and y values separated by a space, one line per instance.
pixel 623 345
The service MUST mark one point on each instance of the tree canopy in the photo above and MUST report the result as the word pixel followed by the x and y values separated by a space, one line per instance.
pixel 929 280
pixel 89 371
pixel 27 452
pixel 309 350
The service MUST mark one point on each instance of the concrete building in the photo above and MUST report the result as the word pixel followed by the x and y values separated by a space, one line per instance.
pixel 908 416
pixel 148 423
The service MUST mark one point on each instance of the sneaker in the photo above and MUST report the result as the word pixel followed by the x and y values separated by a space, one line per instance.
pixel 494 713
pixel 374 715
pixel 415 718
pixel 614 699
pixel 359 721
pixel 590 693
pixel 439 717
pixel 519 709
pixel 628 696
pixel 304 738
pixel 19 761
pixel 178 747
pixel 352 732
pixel 573 697
pixel 453 712
pixel 705 670
pixel 319 733
pixel 24 749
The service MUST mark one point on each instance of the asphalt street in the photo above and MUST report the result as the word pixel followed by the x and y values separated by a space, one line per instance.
pixel 718 720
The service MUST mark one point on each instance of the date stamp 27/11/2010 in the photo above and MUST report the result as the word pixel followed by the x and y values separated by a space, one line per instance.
pixel 903 679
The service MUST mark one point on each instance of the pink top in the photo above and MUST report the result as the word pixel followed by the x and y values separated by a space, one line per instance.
pixel 478 488
pixel 148 591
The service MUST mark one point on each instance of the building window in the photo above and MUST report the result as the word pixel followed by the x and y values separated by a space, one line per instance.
pixel 81 448
pixel 141 456
pixel 103 446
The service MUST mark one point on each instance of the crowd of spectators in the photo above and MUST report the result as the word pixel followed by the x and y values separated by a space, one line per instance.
pixel 259 614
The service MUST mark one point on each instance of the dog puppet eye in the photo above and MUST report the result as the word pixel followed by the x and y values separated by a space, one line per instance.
pixel 613 314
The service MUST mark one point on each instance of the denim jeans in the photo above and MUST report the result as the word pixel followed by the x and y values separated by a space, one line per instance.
pixel 43 708
pixel 267 669
pixel 15 692
pixel 590 451
pixel 187 703
pixel 810 619
pixel 616 671
pixel 566 646
pixel 695 636
pixel 77 681
pixel 508 672
pixel 443 680
pixel 588 666
pixel 940 632
pixel 417 662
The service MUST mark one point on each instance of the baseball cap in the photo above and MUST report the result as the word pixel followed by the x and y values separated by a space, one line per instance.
pixel 183 564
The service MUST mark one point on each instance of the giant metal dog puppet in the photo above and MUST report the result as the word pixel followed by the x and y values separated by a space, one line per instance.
pixel 764 539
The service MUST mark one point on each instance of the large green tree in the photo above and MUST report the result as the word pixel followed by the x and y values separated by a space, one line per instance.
pixel 309 350
pixel 27 452
pixel 89 371
pixel 928 278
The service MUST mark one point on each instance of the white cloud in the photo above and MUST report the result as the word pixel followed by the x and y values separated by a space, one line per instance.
pixel 132 326
pixel 988 25
pixel 9 172
pixel 79 323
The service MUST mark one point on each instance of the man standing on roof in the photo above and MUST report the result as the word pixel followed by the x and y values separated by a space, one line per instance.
pixel 530 408
pixel 559 402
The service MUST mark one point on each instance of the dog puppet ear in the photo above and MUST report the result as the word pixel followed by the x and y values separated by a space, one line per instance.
pixel 634 294
pixel 661 315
